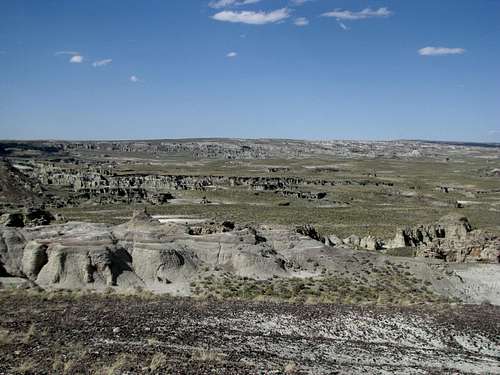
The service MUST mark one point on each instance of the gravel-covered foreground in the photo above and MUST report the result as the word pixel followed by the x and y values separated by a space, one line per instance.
pixel 54 334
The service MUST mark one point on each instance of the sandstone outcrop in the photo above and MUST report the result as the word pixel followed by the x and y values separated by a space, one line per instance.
pixel 451 239
pixel 139 253
pixel 28 217
pixel 370 243
pixel 234 149
pixel 333 240
pixel 99 183
pixel 167 257
pixel 353 240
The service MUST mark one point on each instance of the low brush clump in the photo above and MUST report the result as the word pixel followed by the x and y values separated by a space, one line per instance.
pixel 393 287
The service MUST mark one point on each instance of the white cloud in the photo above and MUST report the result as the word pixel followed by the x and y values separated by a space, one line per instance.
pixel 72 53
pixel 99 63
pixel 220 3
pixel 440 51
pixel 76 59
pixel 228 3
pixel 252 18
pixel 494 131
pixel 134 79
pixel 299 2
pixel 301 21
pixel 232 54
pixel 364 14
pixel 343 26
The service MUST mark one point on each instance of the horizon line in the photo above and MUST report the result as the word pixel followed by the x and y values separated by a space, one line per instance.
pixel 184 139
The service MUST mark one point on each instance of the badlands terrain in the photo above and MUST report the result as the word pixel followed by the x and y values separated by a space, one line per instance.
pixel 249 256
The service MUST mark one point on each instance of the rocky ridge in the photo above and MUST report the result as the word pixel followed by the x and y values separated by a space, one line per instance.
pixel 103 186
pixel 451 239
pixel 254 148
pixel 144 253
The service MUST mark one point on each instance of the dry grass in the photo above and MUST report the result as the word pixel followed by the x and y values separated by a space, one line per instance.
pixel 26 367
pixel 62 366
pixel 291 368
pixel 121 362
pixel 201 354
pixel 6 337
pixel 29 334
pixel 158 362
pixel 73 355
pixel 387 285
pixel 153 341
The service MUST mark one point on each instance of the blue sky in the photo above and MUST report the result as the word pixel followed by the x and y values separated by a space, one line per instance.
pixel 314 69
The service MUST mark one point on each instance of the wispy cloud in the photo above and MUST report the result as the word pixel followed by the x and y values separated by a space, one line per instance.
pixel 301 21
pixel 229 3
pixel 72 53
pixel 343 26
pixel 440 51
pixel 299 2
pixel 361 15
pixel 252 18
pixel 77 59
pixel 494 131
pixel 135 79
pixel 232 54
pixel 99 63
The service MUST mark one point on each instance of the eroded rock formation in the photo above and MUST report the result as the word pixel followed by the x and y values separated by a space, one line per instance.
pixel 451 239
pixel 99 183
pixel 139 253
pixel 28 217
